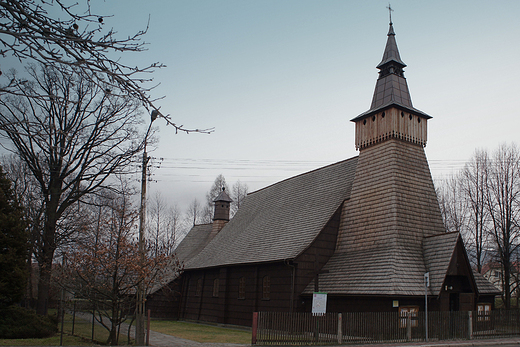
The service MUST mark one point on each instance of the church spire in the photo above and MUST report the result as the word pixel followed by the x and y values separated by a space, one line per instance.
pixel 391 98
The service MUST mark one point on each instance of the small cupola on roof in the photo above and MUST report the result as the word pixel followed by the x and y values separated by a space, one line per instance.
pixel 221 212
pixel 391 114
pixel 222 202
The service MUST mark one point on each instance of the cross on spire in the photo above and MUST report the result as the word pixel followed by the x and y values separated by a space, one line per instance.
pixel 390 12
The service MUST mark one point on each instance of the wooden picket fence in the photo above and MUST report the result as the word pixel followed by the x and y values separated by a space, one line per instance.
pixel 278 328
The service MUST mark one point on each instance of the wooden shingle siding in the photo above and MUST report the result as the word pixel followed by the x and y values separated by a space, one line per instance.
pixel 392 207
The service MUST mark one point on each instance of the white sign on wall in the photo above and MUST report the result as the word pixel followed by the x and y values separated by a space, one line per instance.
pixel 319 303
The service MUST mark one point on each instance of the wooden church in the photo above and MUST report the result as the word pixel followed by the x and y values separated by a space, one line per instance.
pixel 365 231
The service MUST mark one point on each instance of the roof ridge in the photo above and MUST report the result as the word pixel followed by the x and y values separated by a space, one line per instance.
pixel 303 173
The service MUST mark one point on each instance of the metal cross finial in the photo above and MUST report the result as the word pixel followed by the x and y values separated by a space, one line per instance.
pixel 390 12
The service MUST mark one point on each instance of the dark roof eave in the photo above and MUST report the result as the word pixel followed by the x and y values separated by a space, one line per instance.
pixel 384 107
pixel 391 61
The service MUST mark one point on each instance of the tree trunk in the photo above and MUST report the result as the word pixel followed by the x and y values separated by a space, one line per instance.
pixel 46 256
pixel 44 284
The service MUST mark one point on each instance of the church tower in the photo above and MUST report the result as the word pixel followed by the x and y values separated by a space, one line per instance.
pixel 391 114
pixel 393 205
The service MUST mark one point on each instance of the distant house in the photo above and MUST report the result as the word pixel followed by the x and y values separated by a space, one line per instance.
pixel 365 231
pixel 492 271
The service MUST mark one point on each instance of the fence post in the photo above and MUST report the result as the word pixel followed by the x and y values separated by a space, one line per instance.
pixel 254 328
pixel 470 325
pixel 340 328
pixel 409 326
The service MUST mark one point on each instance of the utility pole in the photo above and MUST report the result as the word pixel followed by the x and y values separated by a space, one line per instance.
pixel 141 295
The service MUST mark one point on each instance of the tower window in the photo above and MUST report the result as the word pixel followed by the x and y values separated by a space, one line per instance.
pixel 365 122
pixel 411 117
pixel 373 118
pixel 383 115
pixel 418 119
pixel 402 114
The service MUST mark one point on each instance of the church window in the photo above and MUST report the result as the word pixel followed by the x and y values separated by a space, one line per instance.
pixel 410 117
pixel 198 291
pixel 402 114
pixel 242 288
pixel 373 118
pixel 418 119
pixel 364 122
pixel 483 311
pixel 215 287
pixel 266 284
pixel 383 115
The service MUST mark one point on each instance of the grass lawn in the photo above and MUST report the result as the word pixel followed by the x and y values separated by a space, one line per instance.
pixel 48 341
pixel 82 336
pixel 201 332
pixel 185 330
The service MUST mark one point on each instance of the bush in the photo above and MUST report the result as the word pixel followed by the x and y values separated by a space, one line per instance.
pixel 20 323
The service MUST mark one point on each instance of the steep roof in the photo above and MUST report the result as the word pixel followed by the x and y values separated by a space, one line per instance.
pixel 392 207
pixel 438 251
pixel 280 221
pixel 198 237
pixel 391 87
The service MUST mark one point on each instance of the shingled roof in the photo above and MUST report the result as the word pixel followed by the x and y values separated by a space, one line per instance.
pixel 280 221
pixel 392 207
pixel 484 286
pixel 438 251
pixel 198 237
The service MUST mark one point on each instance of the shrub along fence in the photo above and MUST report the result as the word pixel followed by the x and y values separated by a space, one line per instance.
pixel 367 327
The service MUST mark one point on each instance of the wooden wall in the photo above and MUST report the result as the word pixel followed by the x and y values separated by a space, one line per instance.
pixel 391 123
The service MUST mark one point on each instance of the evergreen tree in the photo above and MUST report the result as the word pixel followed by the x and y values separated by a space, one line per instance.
pixel 13 246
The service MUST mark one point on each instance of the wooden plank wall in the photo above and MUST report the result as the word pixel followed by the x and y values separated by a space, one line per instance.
pixel 391 123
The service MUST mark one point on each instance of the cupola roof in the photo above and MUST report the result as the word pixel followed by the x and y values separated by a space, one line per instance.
pixel 391 87
pixel 223 196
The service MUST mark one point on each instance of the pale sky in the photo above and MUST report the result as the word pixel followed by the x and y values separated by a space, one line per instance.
pixel 279 80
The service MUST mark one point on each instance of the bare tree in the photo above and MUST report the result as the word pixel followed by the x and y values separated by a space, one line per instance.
pixel 71 35
pixel 104 267
pixel 194 214
pixel 72 138
pixel 156 212
pixel 165 224
pixel 173 228
pixel 239 193
pixel 453 206
pixel 474 181
pixel 503 204
pixel 53 32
